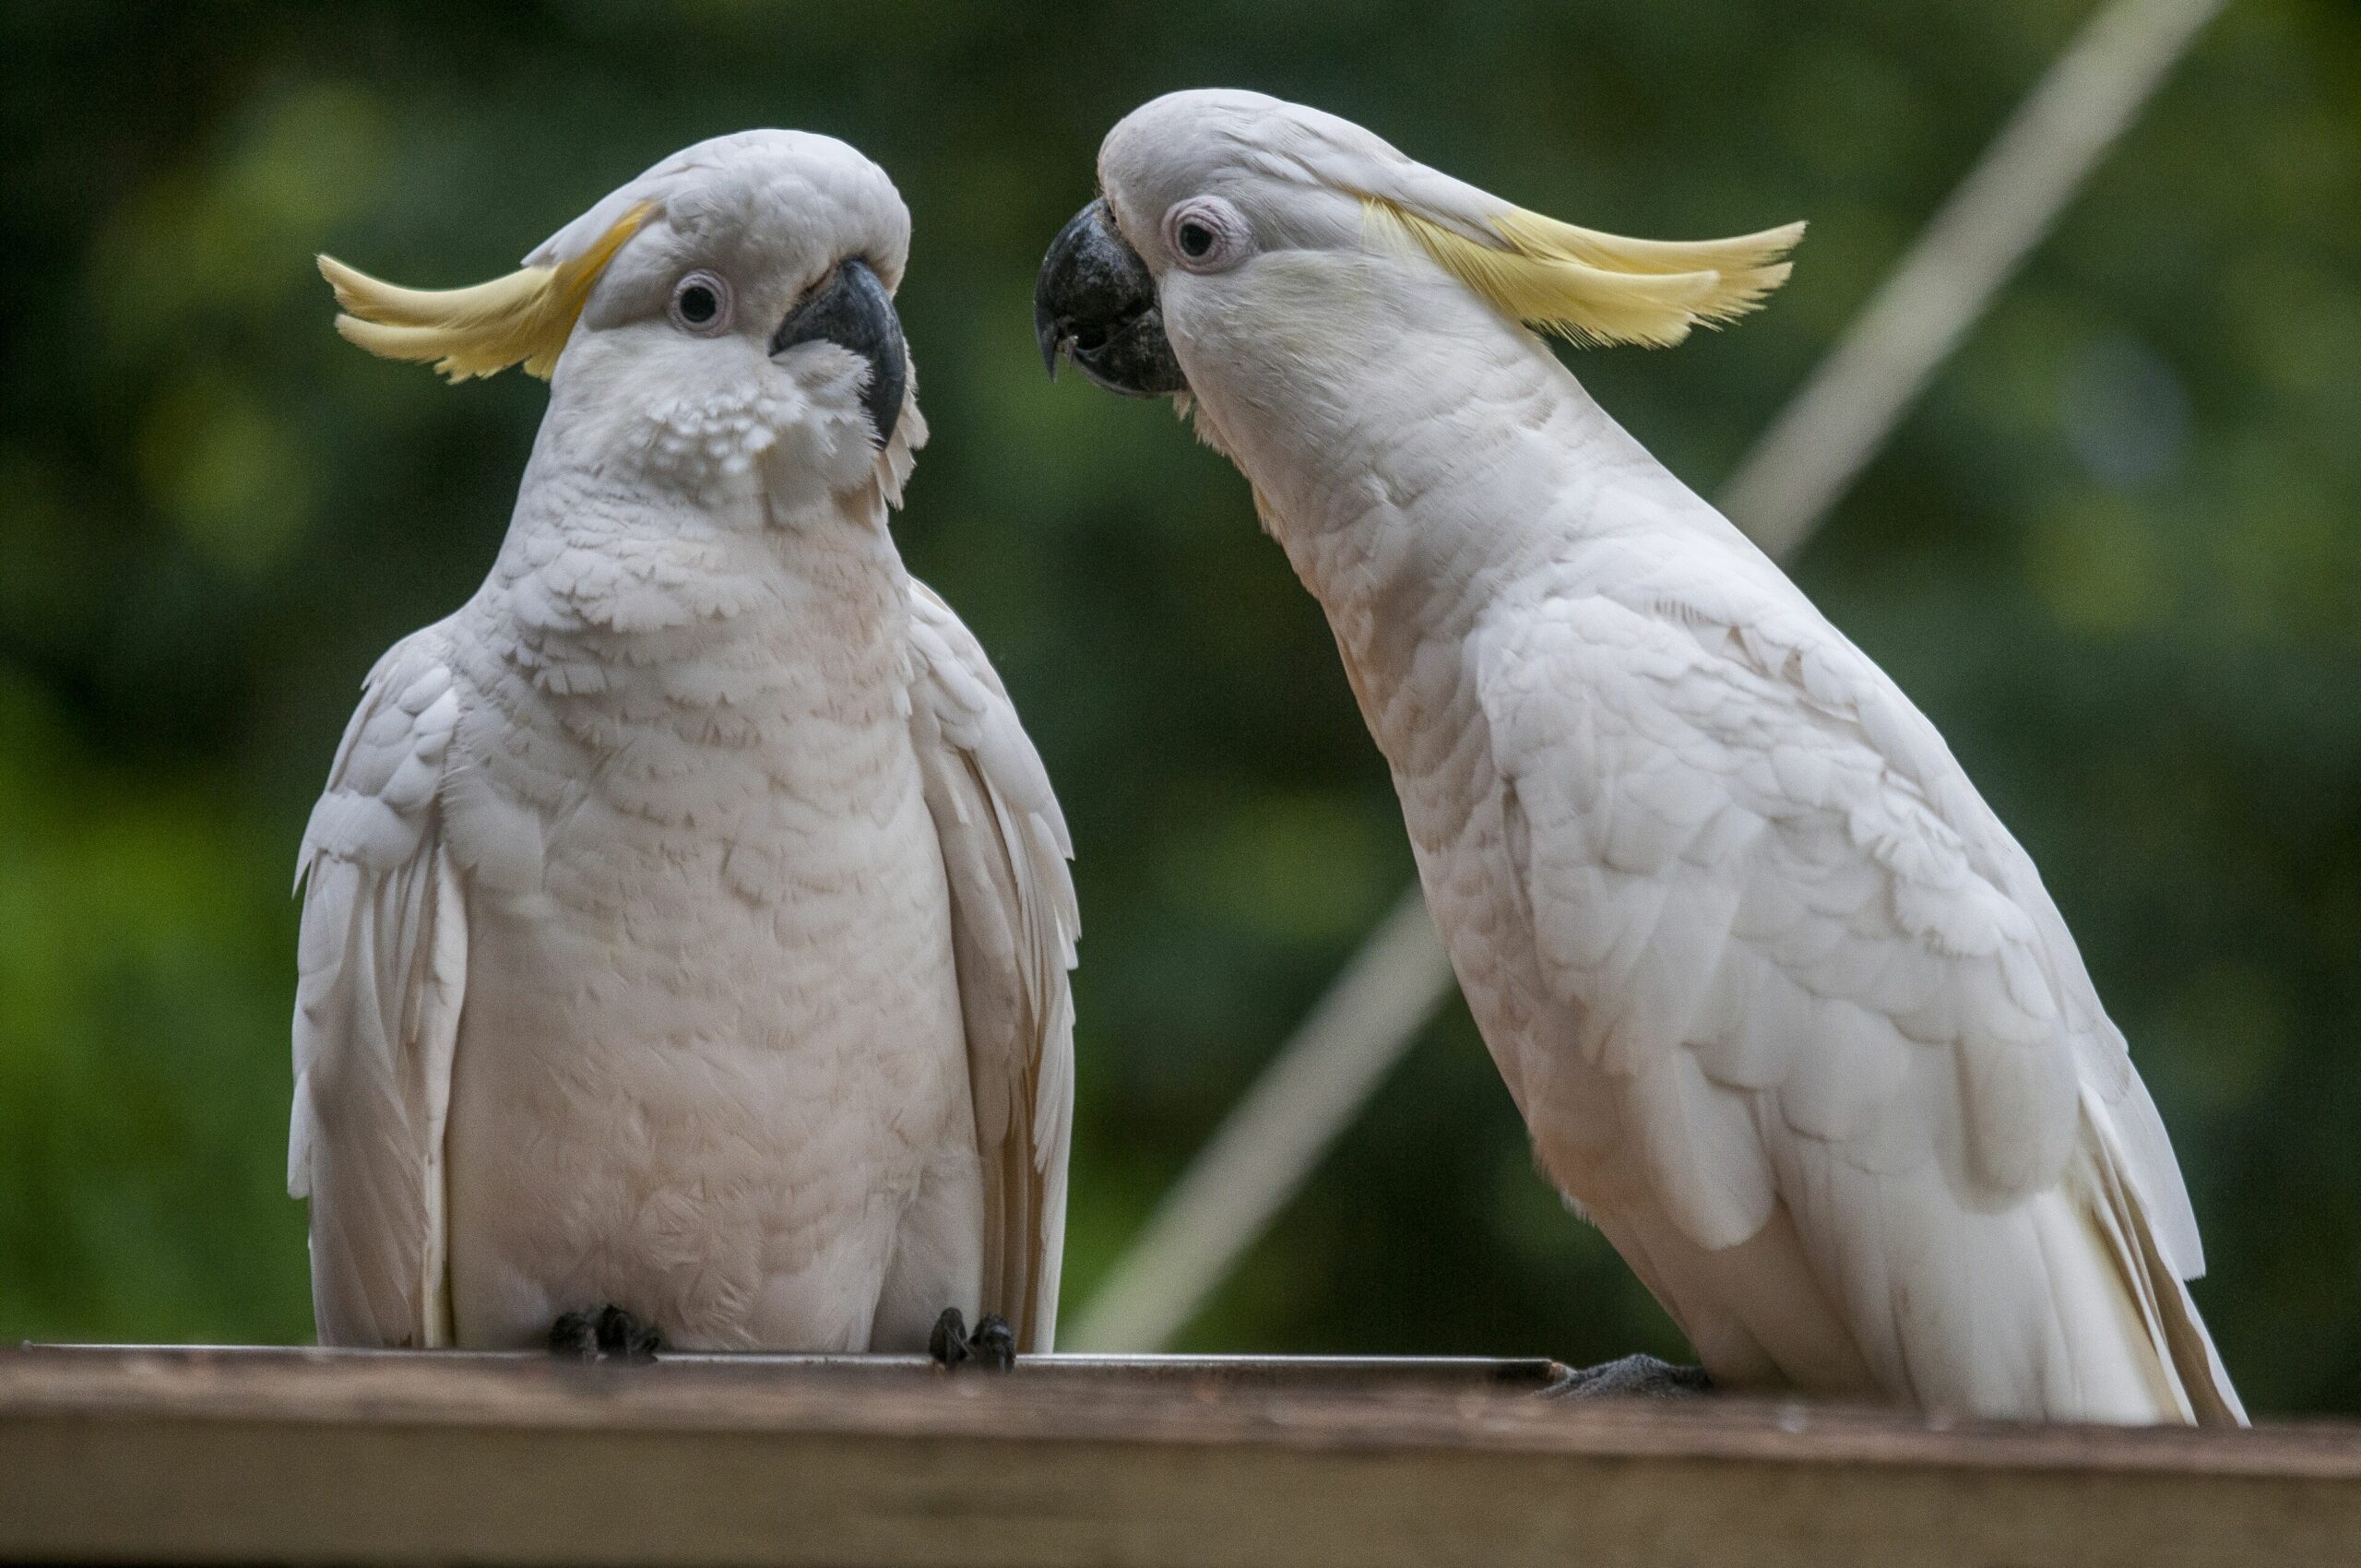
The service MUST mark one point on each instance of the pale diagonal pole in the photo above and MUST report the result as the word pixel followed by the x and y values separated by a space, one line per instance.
pixel 1800 468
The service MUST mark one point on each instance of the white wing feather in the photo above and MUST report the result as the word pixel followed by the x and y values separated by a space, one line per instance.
pixel 1835 1006
pixel 382 966
pixel 1014 928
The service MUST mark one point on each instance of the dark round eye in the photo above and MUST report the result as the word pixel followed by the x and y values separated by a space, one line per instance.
pixel 701 303
pixel 1207 234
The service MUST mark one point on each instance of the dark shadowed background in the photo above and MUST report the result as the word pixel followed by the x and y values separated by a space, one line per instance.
pixel 2115 555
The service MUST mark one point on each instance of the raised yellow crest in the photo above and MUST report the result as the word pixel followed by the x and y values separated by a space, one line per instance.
pixel 1594 288
pixel 522 318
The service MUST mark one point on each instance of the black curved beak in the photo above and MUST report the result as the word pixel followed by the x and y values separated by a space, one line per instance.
pixel 1095 304
pixel 852 310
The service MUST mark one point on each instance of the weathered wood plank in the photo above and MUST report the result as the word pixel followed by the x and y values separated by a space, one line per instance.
pixel 178 1455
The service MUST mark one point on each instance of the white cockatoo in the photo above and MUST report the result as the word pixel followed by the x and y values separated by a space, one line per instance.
pixel 1784 1007
pixel 687 922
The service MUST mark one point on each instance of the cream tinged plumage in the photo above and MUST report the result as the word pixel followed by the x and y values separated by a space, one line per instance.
pixel 687 924
pixel 1787 1010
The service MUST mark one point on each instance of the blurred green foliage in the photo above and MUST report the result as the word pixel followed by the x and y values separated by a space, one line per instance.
pixel 2115 555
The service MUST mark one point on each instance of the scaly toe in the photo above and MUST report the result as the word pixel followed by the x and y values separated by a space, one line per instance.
pixel 626 1336
pixel 1634 1377
pixel 609 1333
pixel 948 1341
pixel 993 1344
pixel 576 1335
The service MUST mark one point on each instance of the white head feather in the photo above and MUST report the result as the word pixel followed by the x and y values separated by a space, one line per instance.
pixel 767 212
pixel 1302 179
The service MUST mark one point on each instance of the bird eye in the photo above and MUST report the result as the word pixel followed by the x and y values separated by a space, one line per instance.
pixel 701 304
pixel 1207 233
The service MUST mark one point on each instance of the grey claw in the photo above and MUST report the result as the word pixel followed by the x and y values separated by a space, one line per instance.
pixel 611 1334
pixel 947 1342
pixel 1632 1377
pixel 993 1344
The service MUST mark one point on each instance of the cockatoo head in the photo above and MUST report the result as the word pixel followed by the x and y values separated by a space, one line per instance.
pixel 1237 235
pixel 724 321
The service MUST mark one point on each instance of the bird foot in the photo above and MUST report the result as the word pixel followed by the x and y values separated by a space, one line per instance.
pixel 609 1333
pixel 993 1344
pixel 1640 1377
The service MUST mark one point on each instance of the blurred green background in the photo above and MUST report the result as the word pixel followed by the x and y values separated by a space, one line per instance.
pixel 2115 555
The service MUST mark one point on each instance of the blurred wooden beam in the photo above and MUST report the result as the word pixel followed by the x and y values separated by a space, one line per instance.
pixel 167 1456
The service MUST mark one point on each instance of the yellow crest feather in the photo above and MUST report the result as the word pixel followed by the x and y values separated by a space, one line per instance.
pixel 1593 287
pixel 524 317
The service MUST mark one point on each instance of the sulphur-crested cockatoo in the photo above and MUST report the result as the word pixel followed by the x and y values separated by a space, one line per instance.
pixel 687 927
pixel 1784 1007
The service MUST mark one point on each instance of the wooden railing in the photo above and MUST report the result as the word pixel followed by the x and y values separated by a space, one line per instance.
pixel 131 1455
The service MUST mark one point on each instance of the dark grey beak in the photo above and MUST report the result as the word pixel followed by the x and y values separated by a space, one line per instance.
pixel 1095 304
pixel 853 311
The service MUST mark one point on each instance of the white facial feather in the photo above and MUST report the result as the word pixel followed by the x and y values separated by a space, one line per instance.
pixel 769 213
pixel 1305 180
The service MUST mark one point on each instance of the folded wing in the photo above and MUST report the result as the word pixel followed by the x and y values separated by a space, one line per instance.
pixel 383 964
pixel 1842 1019
pixel 1013 928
